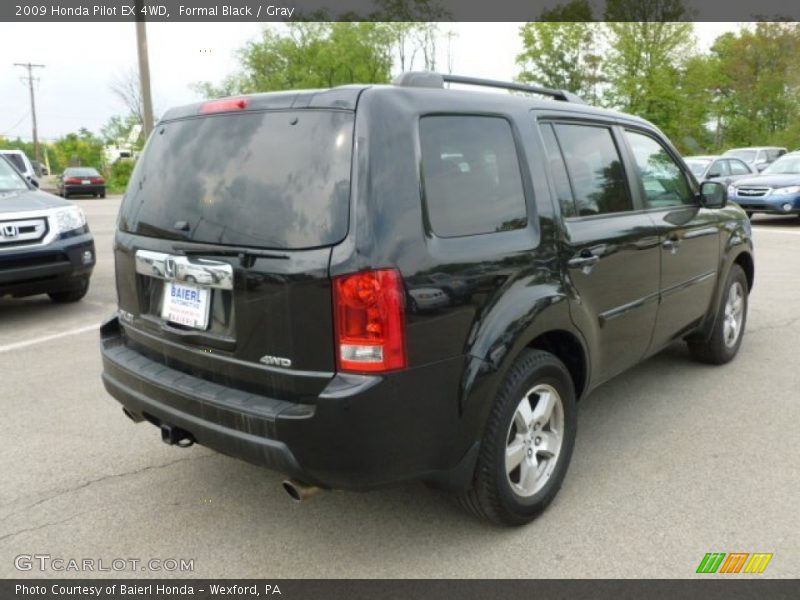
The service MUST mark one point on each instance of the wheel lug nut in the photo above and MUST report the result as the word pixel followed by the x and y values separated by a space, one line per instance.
pixel 538 441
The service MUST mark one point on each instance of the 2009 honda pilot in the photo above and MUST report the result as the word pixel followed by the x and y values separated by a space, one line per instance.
pixel 374 284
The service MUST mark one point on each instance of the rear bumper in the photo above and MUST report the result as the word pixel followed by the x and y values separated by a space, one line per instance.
pixel 77 190
pixel 361 433
pixel 58 266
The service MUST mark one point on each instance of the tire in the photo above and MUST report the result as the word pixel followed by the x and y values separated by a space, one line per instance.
pixel 721 347
pixel 749 214
pixel 72 295
pixel 102 194
pixel 500 493
pixel 65 195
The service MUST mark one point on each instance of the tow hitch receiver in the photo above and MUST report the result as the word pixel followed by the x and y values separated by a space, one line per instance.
pixel 175 436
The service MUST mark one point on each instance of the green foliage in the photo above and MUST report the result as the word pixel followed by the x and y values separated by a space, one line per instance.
pixel 119 175
pixel 646 66
pixel 82 149
pixel 561 54
pixel 118 128
pixel 310 55
pixel 27 148
pixel 756 85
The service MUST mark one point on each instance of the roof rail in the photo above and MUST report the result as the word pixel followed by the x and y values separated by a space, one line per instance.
pixel 429 79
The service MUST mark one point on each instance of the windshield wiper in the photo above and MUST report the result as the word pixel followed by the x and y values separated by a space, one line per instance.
pixel 212 250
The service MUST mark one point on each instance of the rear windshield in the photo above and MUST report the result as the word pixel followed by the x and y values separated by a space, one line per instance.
pixel 276 179
pixel 81 173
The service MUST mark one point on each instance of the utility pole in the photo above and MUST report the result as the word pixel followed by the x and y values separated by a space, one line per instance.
pixel 31 67
pixel 144 70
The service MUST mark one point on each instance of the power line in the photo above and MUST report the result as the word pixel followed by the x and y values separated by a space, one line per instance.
pixel 30 67
pixel 14 126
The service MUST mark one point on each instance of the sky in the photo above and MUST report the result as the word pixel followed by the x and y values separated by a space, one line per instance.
pixel 83 59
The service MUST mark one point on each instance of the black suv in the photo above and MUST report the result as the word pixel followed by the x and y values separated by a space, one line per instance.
pixel 45 243
pixel 270 249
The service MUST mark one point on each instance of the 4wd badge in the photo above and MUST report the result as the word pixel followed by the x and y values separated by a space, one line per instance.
pixel 276 361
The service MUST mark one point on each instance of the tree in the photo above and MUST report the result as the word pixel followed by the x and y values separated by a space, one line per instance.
pixel 647 58
pixel 756 85
pixel 412 24
pixel 310 55
pixel 560 50
pixel 81 149
pixel 119 128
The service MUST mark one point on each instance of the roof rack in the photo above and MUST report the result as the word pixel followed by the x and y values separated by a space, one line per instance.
pixel 429 79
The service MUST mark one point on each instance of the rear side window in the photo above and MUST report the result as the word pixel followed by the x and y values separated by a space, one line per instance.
pixel 471 175
pixel 263 179
pixel 595 169
pixel 17 161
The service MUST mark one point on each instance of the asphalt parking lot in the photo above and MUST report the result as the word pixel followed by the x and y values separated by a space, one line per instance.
pixel 673 460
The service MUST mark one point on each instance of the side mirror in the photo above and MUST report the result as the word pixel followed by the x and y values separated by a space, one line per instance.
pixel 713 194
pixel 714 174
pixel 33 181
pixel 761 166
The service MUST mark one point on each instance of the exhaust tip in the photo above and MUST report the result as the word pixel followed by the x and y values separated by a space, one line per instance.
pixel 299 491
pixel 293 492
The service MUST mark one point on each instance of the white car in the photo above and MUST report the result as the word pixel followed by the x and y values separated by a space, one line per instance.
pixel 22 163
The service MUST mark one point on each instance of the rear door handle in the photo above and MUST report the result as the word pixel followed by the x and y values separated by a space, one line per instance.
pixel 586 260
pixel 672 244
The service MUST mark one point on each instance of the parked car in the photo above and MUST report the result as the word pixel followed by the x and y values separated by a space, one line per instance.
pixel 726 170
pixel 81 181
pixel 22 163
pixel 759 157
pixel 45 243
pixel 426 298
pixel 39 168
pixel 597 247
pixel 775 191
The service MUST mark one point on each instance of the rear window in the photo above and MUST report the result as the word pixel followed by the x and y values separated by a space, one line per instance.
pixel 81 173
pixel 263 179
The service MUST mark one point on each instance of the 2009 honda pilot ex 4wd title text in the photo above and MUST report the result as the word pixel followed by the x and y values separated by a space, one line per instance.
pixel 374 284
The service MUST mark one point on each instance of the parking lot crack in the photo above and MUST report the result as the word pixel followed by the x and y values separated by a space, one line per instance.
pixel 42 526
pixel 58 493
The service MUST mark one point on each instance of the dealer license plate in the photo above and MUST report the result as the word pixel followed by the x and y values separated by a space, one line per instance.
pixel 186 305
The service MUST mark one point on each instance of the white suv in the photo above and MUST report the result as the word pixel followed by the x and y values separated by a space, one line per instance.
pixel 21 162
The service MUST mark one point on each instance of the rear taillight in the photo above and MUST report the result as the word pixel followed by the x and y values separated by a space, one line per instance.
pixel 98 180
pixel 72 180
pixel 370 321
pixel 224 105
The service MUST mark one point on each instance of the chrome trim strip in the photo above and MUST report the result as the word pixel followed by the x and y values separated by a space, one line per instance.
pixel 29 215
pixel 615 312
pixel 200 271
pixel 679 287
